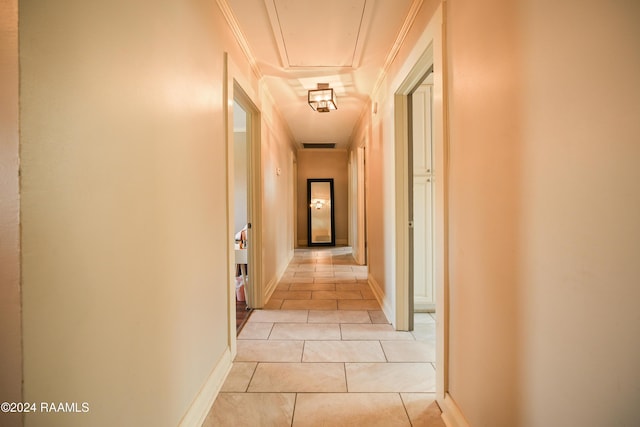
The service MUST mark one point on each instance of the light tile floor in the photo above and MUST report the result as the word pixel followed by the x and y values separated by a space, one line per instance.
pixel 322 353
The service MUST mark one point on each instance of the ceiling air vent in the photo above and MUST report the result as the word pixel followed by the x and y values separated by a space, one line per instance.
pixel 319 145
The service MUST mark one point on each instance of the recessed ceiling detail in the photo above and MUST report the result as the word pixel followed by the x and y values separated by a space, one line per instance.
pixel 292 45
pixel 312 33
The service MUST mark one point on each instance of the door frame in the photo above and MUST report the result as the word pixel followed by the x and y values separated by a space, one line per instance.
pixel 360 203
pixel 357 203
pixel 238 89
pixel 428 52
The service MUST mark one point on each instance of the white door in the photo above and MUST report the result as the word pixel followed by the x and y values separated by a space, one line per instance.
pixel 423 242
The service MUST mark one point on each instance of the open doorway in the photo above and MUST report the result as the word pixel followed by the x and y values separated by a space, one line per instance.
pixel 244 219
pixel 241 143
pixel 243 102
pixel 357 199
pixel 425 64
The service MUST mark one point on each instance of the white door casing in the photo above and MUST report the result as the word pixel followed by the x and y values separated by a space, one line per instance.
pixel 426 53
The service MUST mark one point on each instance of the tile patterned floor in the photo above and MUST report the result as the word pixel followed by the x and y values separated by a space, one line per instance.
pixel 322 353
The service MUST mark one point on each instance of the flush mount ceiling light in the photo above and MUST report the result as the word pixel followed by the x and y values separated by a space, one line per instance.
pixel 322 99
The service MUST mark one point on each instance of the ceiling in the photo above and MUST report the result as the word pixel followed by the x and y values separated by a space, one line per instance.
pixel 296 44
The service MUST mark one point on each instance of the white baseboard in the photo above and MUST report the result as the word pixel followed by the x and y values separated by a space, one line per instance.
pixel 423 305
pixel 451 413
pixel 273 283
pixel 270 289
pixel 197 412
pixel 379 294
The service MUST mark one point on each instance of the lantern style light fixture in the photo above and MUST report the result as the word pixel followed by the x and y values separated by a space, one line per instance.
pixel 322 99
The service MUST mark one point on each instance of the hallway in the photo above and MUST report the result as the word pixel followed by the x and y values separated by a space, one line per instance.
pixel 323 353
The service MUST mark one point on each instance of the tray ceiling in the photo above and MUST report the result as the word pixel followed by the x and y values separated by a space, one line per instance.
pixel 296 44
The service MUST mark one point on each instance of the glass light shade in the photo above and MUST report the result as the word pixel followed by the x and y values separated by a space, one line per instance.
pixel 322 100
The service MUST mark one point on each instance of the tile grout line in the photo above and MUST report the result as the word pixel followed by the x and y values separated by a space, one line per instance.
pixel 273 324
pixel 295 403
pixel 404 406
pixel 383 352
pixel 346 378
pixel 252 375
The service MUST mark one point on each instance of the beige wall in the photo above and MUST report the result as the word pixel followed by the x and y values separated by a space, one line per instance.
pixel 380 215
pixel 544 208
pixel 10 339
pixel 485 213
pixel 558 206
pixel 324 164
pixel 125 240
pixel 580 230
pixel 544 212
pixel 277 198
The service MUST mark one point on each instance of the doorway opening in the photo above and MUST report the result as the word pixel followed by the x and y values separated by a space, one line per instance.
pixel 357 201
pixel 421 188
pixel 241 143
pixel 246 261
pixel 421 198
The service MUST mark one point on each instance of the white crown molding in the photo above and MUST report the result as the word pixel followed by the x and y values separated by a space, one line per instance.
pixel 244 45
pixel 397 44
pixel 269 96
pixel 239 36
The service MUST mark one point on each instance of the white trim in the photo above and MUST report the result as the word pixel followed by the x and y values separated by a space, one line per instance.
pixel 397 44
pixel 422 304
pixel 269 120
pixel 239 36
pixel 273 283
pixel 270 288
pixel 379 294
pixel 401 137
pixel 229 146
pixel 201 405
pixel 232 78
pixel 451 413
pixel 294 208
pixel 360 202
pixel 426 52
